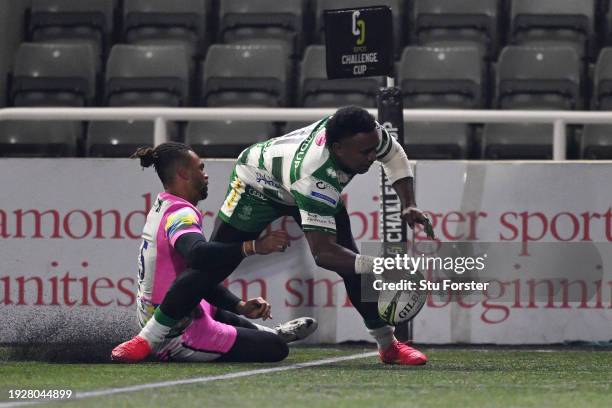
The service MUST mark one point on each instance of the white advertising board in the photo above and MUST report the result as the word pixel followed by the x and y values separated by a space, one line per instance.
pixel 69 237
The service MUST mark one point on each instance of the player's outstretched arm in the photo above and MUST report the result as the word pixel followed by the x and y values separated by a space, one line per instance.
pixel 411 214
pixel 200 254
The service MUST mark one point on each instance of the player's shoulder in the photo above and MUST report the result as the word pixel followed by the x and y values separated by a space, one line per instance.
pixel 385 141
pixel 315 151
pixel 183 212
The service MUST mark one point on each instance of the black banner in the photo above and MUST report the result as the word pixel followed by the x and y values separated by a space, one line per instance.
pixel 359 42
pixel 394 230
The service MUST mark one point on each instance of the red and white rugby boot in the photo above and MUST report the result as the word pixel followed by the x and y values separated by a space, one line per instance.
pixel 131 351
pixel 400 353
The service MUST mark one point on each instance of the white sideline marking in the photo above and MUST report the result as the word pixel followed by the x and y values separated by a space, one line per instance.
pixel 197 380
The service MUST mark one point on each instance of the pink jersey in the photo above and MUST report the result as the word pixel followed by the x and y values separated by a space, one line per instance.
pixel 159 264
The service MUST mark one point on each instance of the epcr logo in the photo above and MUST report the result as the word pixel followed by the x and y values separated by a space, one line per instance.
pixel 358 28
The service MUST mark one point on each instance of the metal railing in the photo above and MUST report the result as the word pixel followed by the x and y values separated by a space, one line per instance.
pixel 559 119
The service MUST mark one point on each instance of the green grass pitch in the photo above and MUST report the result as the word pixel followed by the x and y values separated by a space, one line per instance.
pixel 470 377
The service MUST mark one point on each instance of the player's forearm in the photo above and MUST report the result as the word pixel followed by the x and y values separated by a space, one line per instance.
pixel 404 188
pixel 223 298
pixel 199 254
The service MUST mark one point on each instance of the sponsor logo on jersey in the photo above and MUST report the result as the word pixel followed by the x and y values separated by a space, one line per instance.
pixel 342 177
pixel 265 179
pixel 309 218
pixel 299 156
pixel 323 197
pixel 324 192
pixel 234 196
pixel 321 185
pixel 245 212
pixel 321 137
pixel 256 194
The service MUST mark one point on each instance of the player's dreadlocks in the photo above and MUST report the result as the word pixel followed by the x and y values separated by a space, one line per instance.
pixel 164 158
pixel 348 121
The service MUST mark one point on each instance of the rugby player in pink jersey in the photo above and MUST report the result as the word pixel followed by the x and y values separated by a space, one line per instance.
pixel 180 319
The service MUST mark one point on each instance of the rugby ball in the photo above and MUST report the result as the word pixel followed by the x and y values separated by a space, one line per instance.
pixel 400 306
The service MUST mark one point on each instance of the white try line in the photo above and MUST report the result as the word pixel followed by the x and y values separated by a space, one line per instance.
pixel 197 380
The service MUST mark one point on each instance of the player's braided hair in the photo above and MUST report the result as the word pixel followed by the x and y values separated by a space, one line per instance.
pixel 163 158
pixel 346 122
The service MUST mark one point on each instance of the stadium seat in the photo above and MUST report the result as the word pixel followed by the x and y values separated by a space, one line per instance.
pixel 604 22
pixel 517 141
pixel 602 80
pixel 450 78
pixel 147 75
pixel 435 141
pixel 53 75
pixel 245 75
pixel 117 139
pixel 396 10
pixel 441 77
pixel 452 23
pixel 226 138
pixel 318 91
pixel 160 22
pixel 538 78
pixel 596 142
pixel 72 21
pixel 554 23
pixel 39 138
pixel 263 22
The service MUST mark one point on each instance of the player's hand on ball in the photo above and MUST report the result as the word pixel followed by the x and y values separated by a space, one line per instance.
pixel 255 308
pixel 412 216
pixel 275 241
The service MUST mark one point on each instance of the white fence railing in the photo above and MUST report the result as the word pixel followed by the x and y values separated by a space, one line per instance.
pixel 559 119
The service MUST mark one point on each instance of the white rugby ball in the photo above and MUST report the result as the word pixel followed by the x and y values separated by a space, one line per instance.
pixel 400 306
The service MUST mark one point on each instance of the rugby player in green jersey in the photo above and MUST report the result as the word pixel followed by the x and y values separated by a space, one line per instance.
pixel 302 174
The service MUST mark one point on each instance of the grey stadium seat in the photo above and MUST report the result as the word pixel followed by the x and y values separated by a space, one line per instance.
pixel 245 75
pixel 318 91
pixel 433 141
pixel 604 13
pixel 441 77
pixel 519 141
pixel 396 10
pixel 147 75
pixel 225 138
pixel 538 78
pixel 158 22
pixel 446 23
pixel 117 139
pixel 596 142
pixel 263 21
pixel 602 95
pixel 554 22
pixel 68 20
pixel 53 75
pixel 39 138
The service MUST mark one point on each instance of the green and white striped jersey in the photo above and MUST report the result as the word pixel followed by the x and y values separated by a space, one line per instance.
pixel 297 170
